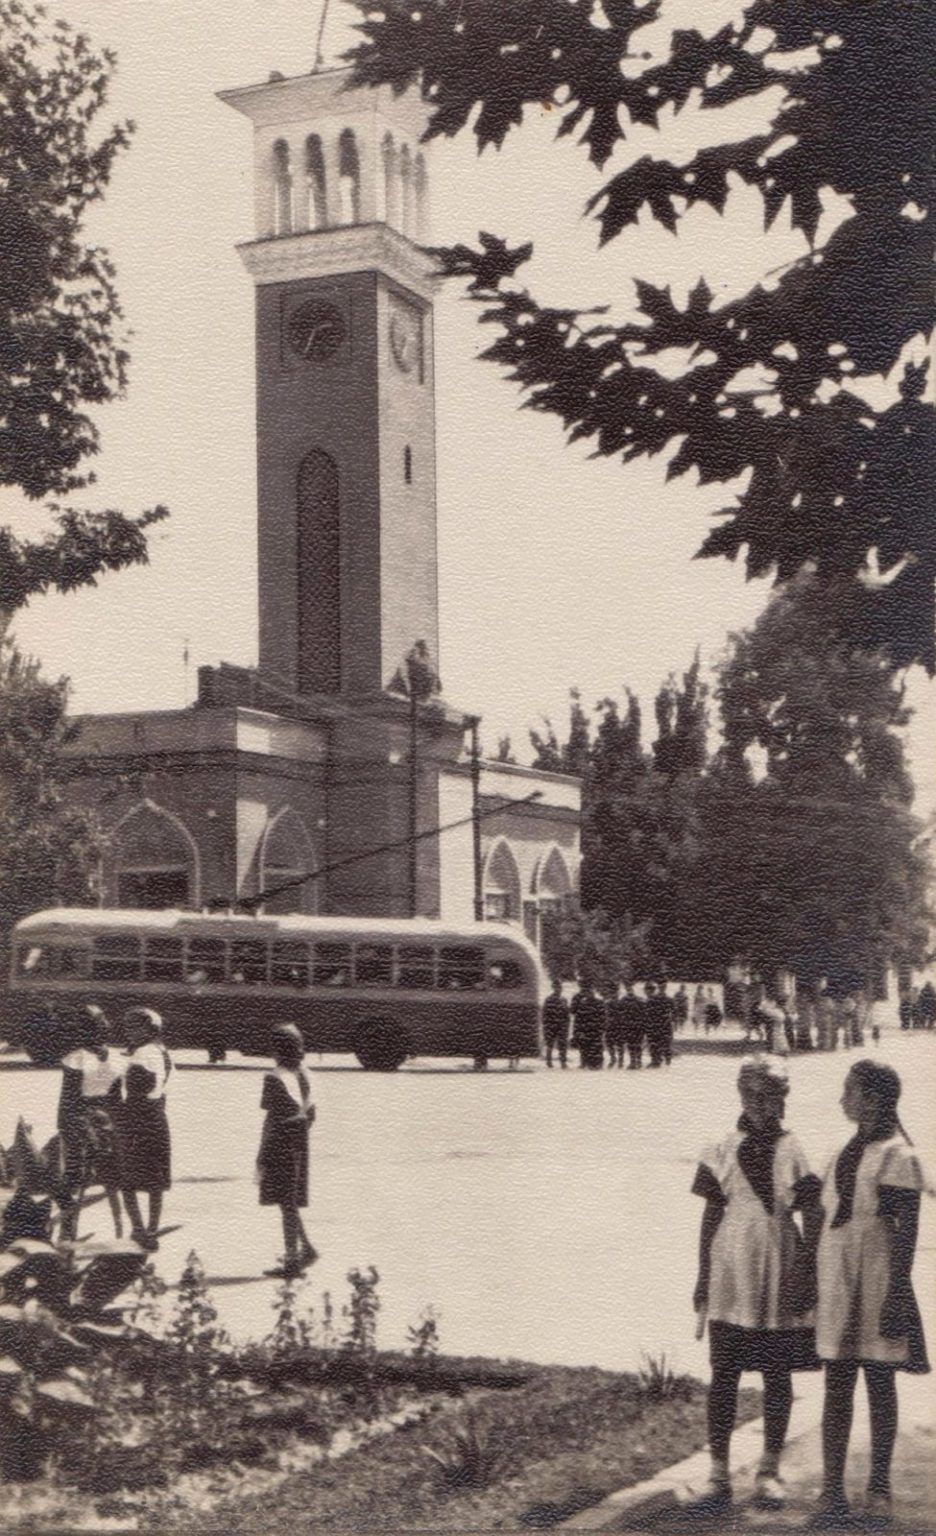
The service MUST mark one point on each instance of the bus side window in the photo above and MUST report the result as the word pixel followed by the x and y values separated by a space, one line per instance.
pixel 332 965
pixel 116 957
pixel 373 965
pixel 249 961
pixel 416 967
pixel 290 964
pixel 71 962
pixel 162 960
pixel 206 960
pixel 461 970
pixel 505 975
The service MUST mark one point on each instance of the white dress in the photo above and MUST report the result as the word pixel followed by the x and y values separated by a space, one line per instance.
pixel 754 1251
pixel 854 1260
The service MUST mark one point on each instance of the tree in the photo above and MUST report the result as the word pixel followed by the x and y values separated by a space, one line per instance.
pixel 572 755
pixel 771 383
pixel 812 857
pixel 62 349
pixel 50 849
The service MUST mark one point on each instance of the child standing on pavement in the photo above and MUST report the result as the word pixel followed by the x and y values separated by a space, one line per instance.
pixel 283 1159
pixel 756 1276
pixel 866 1314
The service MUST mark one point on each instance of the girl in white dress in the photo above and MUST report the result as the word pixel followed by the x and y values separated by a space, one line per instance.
pixel 867 1315
pixel 756 1275
pixel 88 1105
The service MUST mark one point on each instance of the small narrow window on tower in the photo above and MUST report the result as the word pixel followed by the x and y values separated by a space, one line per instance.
pixel 315 175
pixel 282 189
pixel 391 182
pixel 408 464
pixel 349 178
pixel 407 193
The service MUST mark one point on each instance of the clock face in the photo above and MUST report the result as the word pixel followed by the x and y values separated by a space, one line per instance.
pixel 316 331
pixel 405 337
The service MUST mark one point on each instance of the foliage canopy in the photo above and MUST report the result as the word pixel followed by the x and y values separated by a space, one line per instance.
pixel 62 343
pixel 768 391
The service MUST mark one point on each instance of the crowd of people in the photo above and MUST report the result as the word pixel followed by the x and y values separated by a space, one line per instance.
pixel 114 1130
pixel 624 1027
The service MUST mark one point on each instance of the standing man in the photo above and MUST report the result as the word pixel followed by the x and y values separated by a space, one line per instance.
pixel 659 1017
pixel 633 1009
pixel 680 1006
pixel 556 1019
pixel 588 1011
pixel 616 1028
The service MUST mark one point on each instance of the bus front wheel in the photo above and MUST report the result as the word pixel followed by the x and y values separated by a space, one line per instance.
pixel 381 1047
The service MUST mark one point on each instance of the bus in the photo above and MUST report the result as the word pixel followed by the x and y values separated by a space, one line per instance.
pixel 384 989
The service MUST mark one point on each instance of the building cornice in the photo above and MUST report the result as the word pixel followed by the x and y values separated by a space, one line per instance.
pixel 340 251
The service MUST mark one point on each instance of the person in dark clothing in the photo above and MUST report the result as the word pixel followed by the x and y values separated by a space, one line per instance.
pixel 658 1013
pixel 143 1143
pixel 588 1011
pixel 926 1005
pixel 283 1159
pixel 616 1029
pixel 680 1007
pixel 633 1009
pixel 905 1009
pixel 556 1019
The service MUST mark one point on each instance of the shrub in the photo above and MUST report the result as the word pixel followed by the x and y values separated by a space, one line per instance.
pixel 470 1458
pixel 659 1383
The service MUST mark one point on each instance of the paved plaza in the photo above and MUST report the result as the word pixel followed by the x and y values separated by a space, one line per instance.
pixel 545 1215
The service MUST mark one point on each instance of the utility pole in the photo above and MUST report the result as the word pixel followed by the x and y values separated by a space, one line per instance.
pixel 474 722
pixel 413 850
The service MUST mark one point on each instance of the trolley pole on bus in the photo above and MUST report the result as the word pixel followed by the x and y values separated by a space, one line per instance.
pixel 474 722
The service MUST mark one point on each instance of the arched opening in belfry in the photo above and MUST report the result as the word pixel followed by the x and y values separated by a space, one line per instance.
pixel 282 189
pixel 407 192
pixel 315 179
pixel 349 178
pixel 286 856
pixel 318 576
pixel 421 189
pixel 391 180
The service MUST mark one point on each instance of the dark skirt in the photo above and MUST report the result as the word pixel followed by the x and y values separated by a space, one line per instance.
pixel 284 1164
pixel 143 1146
pixel 732 1348
pixel 89 1143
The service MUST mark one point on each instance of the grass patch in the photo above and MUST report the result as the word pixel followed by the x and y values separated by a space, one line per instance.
pixel 524 1457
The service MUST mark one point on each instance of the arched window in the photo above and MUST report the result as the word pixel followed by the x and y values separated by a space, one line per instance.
pixel 408 464
pixel 288 853
pixel 391 181
pixel 407 191
pixel 318 577
pixel 315 178
pixel 152 860
pixel 349 178
pixel 421 187
pixel 282 189
pixel 501 884
pixel 553 883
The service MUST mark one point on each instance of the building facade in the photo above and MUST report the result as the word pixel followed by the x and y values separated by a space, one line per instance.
pixel 334 777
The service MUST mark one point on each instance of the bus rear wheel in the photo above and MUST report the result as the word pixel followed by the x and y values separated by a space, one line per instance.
pixel 382 1047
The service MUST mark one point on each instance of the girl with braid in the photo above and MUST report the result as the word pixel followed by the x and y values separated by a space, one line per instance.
pixel 867 1317
pixel 756 1284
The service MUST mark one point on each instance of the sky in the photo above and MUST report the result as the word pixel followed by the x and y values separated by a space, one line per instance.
pixel 555 570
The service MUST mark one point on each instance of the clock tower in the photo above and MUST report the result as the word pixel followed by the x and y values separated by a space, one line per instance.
pixel 345 412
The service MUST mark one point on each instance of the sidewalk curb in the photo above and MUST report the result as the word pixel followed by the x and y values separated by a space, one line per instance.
pixel 644 1500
